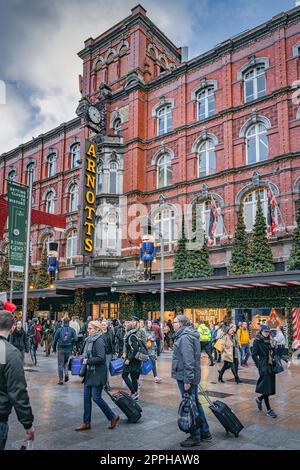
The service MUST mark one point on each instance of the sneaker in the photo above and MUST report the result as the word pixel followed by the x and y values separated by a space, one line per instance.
pixel 190 442
pixel 66 378
pixel 271 414
pixel 60 383
pixel 258 404
pixel 157 380
pixel 206 437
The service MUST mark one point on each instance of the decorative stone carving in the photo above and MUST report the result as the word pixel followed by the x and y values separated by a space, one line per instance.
pixel 255 179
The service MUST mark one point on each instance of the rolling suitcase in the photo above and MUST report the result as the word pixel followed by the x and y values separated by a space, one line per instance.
pixel 224 414
pixel 130 407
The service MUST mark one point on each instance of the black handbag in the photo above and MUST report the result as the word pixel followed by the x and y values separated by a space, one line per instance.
pixel 276 367
pixel 82 371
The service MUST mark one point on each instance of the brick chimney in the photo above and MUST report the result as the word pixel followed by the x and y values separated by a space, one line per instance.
pixel 138 9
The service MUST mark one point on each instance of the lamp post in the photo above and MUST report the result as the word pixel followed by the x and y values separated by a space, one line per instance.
pixel 28 227
pixel 162 200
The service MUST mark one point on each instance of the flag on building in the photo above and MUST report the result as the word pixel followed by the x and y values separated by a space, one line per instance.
pixel 271 216
pixel 213 220
pixel 296 327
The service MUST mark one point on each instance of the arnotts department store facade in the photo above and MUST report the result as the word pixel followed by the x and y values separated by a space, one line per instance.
pixel 224 126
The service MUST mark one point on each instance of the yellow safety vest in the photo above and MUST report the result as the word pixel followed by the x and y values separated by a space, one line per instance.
pixel 204 333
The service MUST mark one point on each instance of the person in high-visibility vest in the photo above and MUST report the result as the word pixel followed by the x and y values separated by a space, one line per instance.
pixel 205 340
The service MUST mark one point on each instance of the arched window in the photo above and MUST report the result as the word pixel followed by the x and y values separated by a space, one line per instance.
pixel 165 223
pixel 99 188
pixel 50 206
pixel 113 173
pixel 75 155
pixel 30 167
pixel 250 206
pixel 207 159
pixel 112 232
pixel 12 175
pixel 46 242
pixel 164 171
pixel 255 83
pixel 51 164
pixel 73 201
pixel 201 210
pixel 257 147
pixel 110 58
pixel 164 120
pixel 117 125
pixel 206 103
pixel 71 245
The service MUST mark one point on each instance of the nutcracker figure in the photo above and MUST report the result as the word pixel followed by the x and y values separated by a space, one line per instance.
pixel 53 260
pixel 147 255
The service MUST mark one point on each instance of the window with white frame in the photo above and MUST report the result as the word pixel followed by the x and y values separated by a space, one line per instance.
pixel 46 242
pixel 113 178
pixel 75 155
pixel 99 178
pixel 117 125
pixel 164 171
pixel 254 83
pixel 73 200
pixel 50 205
pixel 30 167
pixel 250 206
pixel 71 244
pixel 164 223
pixel 12 175
pixel 206 103
pixel 207 159
pixel 164 120
pixel 51 163
pixel 201 210
pixel 98 234
pixel 112 232
pixel 257 146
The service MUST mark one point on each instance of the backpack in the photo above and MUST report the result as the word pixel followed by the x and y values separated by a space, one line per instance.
pixel 66 337
pixel 142 354
pixel 188 415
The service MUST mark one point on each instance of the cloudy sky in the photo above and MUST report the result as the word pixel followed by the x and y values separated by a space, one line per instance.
pixel 39 41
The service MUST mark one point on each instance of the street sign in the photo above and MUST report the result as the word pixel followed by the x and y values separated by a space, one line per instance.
pixel 17 214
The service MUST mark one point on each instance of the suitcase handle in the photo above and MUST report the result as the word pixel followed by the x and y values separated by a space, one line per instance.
pixel 205 395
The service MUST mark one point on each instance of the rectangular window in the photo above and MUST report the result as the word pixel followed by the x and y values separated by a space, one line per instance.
pixel 261 86
pixel 249 90
pixel 169 121
pixel 113 182
pixel 161 127
pixel 161 180
pixel 201 110
pixel 248 212
pixel 211 105
pixel 263 147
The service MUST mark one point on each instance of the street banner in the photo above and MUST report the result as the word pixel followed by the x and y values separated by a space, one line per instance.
pixel 17 214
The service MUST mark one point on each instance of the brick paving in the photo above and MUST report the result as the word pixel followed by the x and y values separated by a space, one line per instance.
pixel 59 409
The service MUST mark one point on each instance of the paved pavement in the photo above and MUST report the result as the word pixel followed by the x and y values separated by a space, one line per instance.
pixel 58 410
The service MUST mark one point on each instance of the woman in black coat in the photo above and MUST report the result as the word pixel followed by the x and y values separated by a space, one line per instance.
pixel 132 366
pixel 95 377
pixel 262 354
pixel 19 339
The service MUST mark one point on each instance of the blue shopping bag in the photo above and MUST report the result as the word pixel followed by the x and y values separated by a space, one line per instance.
pixel 147 366
pixel 116 366
pixel 76 364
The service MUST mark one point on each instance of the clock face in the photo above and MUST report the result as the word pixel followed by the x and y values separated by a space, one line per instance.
pixel 94 114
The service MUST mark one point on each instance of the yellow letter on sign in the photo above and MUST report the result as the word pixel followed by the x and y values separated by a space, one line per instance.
pixel 91 151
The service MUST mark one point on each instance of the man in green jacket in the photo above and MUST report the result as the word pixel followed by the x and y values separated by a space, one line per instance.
pixel 13 386
pixel 65 337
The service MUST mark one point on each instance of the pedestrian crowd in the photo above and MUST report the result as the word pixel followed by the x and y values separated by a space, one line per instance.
pixel 99 343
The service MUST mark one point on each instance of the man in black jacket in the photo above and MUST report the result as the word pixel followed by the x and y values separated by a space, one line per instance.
pixel 13 386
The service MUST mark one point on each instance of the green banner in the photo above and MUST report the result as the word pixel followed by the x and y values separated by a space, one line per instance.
pixel 17 214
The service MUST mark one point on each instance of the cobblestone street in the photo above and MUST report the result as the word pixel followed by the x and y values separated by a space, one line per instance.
pixel 58 410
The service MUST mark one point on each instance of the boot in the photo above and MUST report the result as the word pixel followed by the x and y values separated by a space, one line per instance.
pixel 220 378
pixel 83 427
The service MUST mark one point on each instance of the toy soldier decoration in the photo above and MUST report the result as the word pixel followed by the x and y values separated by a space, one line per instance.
pixel 147 255
pixel 53 260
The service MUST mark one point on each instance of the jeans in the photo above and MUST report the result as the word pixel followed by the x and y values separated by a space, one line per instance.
pixel 63 361
pixel 3 434
pixel 95 393
pixel 204 428
pixel 153 360
pixel 133 383
pixel 245 353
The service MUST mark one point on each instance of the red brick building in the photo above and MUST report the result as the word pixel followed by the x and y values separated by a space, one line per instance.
pixel 224 126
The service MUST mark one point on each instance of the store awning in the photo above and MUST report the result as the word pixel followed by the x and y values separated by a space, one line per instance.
pixel 249 281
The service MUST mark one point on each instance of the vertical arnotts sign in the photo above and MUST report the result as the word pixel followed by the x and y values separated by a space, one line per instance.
pixel 88 198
